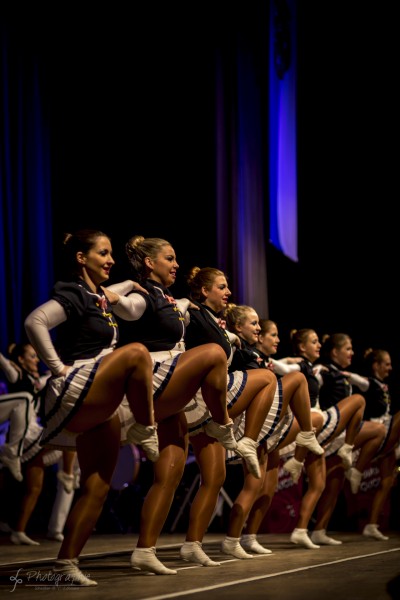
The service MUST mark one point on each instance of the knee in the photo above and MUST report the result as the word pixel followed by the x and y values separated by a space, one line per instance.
pixel 301 378
pixel 295 377
pixel 170 477
pixel 317 421
pixel 171 481
pixel 216 354
pixel 269 377
pixel 381 432
pixel 97 488
pixel 219 479
pixel 139 355
pixel 360 401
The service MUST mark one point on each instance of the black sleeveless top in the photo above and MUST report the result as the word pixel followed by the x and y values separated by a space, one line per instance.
pixel 162 324
pixel 206 327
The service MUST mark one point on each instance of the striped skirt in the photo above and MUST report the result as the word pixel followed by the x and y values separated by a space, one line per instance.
pixel 274 429
pixel 197 412
pixel 66 395
pixel 326 435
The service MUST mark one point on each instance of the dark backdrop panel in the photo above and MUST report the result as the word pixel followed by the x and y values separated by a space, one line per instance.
pixel 131 105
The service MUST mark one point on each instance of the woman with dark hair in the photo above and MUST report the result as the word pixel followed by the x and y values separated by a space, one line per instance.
pixel 379 409
pixel 342 420
pixel 20 405
pixel 22 408
pixel 90 379
pixel 337 383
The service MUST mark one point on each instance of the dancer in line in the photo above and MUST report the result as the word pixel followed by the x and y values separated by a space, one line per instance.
pixel 209 289
pixel 158 321
pixel 377 367
pixel 302 427
pixel 336 355
pixel 90 378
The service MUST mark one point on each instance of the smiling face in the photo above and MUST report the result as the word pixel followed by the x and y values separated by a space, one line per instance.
pixel 97 262
pixel 311 347
pixel 29 360
pixel 268 340
pixel 249 328
pixel 383 367
pixel 163 268
pixel 342 355
pixel 218 295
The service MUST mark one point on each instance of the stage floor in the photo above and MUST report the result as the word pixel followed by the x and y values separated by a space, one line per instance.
pixel 360 568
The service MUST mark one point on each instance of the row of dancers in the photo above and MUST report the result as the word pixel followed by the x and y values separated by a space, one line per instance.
pixel 132 364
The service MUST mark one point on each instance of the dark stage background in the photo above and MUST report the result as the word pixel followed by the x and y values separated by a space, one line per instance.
pixel 129 98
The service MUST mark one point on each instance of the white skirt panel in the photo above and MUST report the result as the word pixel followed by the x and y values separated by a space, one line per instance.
pixel 65 395
pixel 197 412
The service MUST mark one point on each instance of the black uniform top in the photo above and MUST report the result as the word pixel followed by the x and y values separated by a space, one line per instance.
pixel 24 383
pixel 206 327
pixel 162 324
pixel 306 367
pixel 27 383
pixel 90 327
pixel 377 399
pixel 263 359
pixel 247 357
pixel 335 387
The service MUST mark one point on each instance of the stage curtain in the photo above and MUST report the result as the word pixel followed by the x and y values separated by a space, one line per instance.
pixel 26 257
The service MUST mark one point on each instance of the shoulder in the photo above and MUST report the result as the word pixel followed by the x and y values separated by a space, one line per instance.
pixel 67 289
pixel 201 314
pixel 306 366
pixel 155 291
pixel 158 298
pixel 71 295
pixel 62 286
